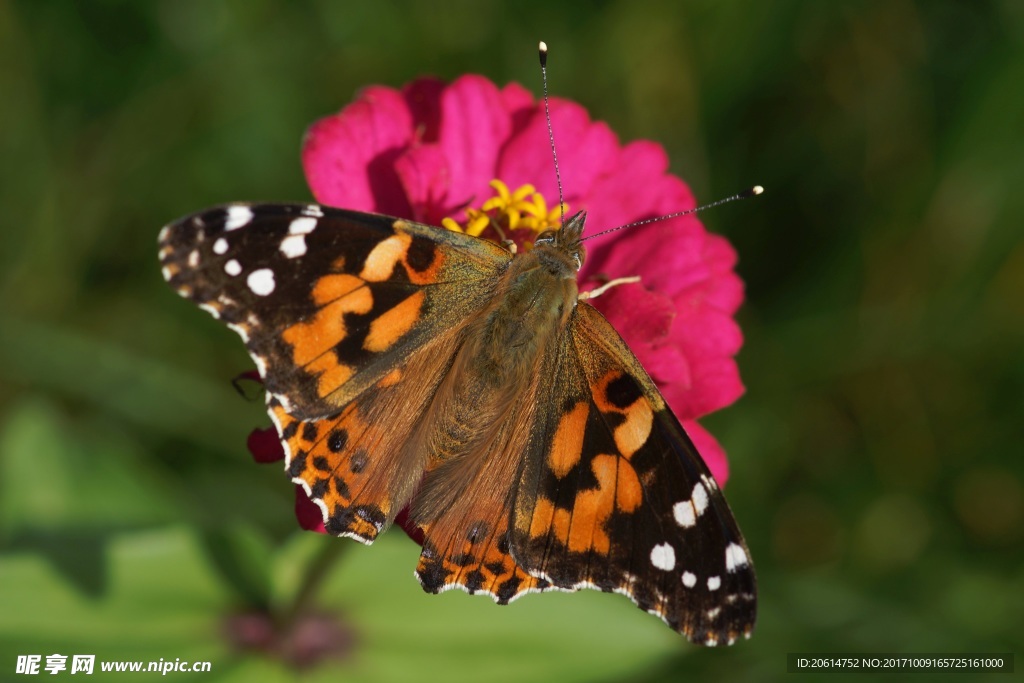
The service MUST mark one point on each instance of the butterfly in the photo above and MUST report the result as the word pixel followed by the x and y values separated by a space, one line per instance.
pixel 409 366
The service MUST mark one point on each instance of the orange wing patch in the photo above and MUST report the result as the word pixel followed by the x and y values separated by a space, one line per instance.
pixel 380 264
pixel 390 326
pixel 329 458
pixel 567 445
pixel 422 261
pixel 582 525
pixel 312 341
pixel 582 528
pixel 632 434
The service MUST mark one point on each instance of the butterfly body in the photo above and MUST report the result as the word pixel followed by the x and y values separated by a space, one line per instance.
pixel 412 367
pixel 501 351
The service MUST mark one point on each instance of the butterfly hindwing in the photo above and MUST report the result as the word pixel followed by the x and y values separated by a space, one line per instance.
pixel 478 562
pixel 352 320
pixel 358 465
pixel 614 495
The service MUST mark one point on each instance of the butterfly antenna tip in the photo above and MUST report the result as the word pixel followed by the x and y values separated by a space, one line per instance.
pixel 542 48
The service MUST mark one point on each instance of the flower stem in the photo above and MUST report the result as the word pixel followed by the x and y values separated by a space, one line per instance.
pixel 316 572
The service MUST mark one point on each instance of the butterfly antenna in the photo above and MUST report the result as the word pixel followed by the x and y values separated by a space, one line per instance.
pixel 543 51
pixel 746 194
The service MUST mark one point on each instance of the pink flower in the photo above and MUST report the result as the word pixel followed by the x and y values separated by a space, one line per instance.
pixel 431 152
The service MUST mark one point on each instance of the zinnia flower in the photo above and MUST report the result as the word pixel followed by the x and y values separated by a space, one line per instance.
pixel 470 155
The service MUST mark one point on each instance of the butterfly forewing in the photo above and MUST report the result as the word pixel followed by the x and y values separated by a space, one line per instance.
pixel 328 301
pixel 352 320
pixel 614 496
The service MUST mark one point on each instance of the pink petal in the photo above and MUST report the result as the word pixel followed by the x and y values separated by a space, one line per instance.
pixel 714 383
pixel 264 445
pixel 423 173
pixel 349 157
pixel 637 311
pixel 423 97
pixel 309 514
pixel 725 289
pixel 586 151
pixel 705 331
pixel 519 102
pixel 630 191
pixel 710 450
pixel 638 187
pixel 667 255
pixel 670 369
pixel 412 531
pixel 474 124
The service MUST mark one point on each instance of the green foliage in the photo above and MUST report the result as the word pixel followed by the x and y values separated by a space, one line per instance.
pixel 876 456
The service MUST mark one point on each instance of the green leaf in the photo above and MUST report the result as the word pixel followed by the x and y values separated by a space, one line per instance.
pixel 166 601
pixel 66 487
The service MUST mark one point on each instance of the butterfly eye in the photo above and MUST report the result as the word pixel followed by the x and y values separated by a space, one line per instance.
pixel 547 237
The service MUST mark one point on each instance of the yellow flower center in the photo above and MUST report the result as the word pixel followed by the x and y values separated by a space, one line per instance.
pixel 519 216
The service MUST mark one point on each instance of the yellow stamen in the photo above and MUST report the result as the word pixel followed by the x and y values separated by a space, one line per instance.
pixel 522 213
pixel 450 224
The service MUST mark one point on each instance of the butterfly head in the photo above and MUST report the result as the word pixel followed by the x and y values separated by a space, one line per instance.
pixel 567 239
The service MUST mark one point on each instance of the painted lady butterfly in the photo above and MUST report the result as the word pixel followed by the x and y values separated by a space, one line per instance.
pixel 407 365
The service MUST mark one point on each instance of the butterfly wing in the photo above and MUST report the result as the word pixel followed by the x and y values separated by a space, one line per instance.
pixel 352 319
pixel 614 495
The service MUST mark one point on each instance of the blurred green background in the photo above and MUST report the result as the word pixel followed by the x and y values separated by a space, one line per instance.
pixel 876 456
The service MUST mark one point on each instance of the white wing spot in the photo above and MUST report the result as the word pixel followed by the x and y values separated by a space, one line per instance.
pixel 220 246
pixel 700 498
pixel 689 579
pixel 232 267
pixel 238 217
pixel 714 583
pixel 684 514
pixel 261 281
pixel 663 556
pixel 302 226
pixel 164 233
pixel 293 246
pixel 261 365
pixel 242 331
pixel 193 258
pixel 212 310
pixel 313 210
pixel 735 557
pixel 167 273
